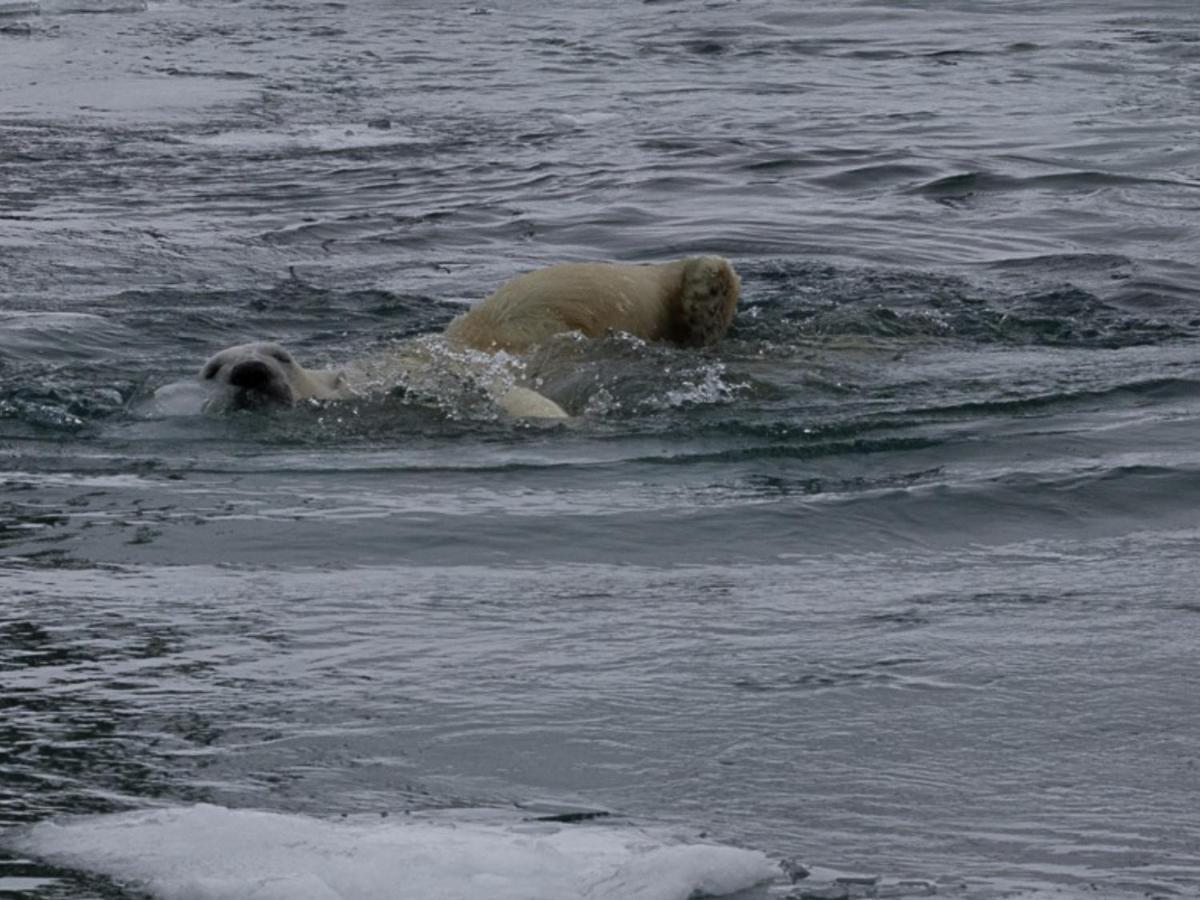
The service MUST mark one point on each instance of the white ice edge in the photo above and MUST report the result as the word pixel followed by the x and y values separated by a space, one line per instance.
pixel 208 852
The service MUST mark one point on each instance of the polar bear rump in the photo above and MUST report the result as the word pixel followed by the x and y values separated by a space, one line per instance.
pixel 687 301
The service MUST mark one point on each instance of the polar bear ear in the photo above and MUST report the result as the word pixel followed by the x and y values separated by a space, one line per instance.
pixel 708 297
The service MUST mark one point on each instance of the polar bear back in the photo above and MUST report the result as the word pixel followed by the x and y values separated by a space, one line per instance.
pixel 687 301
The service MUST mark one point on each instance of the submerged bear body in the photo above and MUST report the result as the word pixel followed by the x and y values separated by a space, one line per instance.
pixel 689 301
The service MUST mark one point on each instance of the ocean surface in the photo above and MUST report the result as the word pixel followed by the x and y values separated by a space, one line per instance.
pixel 900 582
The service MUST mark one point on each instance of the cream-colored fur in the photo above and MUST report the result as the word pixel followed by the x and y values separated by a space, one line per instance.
pixel 687 301
pixel 268 369
pixel 277 378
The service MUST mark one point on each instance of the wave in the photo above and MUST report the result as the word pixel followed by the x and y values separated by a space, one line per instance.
pixel 65 7
pixel 963 185
pixel 790 300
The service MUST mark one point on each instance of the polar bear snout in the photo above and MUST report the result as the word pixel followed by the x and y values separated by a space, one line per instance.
pixel 262 373
pixel 258 382
pixel 255 375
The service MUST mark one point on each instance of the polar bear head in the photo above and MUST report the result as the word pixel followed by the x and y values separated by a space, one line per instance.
pixel 265 374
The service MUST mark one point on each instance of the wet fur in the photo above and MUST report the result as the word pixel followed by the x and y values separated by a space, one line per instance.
pixel 689 301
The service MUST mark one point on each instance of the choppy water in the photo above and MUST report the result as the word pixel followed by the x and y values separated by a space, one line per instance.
pixel 900 580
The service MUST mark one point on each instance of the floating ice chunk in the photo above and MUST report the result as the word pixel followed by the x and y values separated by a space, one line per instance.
pixel 213 853
pixel 180 398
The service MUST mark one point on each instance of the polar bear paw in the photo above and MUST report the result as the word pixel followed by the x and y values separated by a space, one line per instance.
pixel 707 300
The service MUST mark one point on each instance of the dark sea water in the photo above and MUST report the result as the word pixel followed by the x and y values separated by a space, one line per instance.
pixel 902 580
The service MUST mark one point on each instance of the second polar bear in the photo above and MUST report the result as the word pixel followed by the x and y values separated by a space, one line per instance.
pixel 688 301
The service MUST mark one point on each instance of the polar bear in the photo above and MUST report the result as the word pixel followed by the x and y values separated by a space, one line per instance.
pixel 262 374
pixel 689 301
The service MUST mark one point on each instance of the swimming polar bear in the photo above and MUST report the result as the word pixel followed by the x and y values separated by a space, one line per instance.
pixel 263 373
pixel 689 301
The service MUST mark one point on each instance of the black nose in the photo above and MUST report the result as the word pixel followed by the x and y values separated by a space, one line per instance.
pixel 252 375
